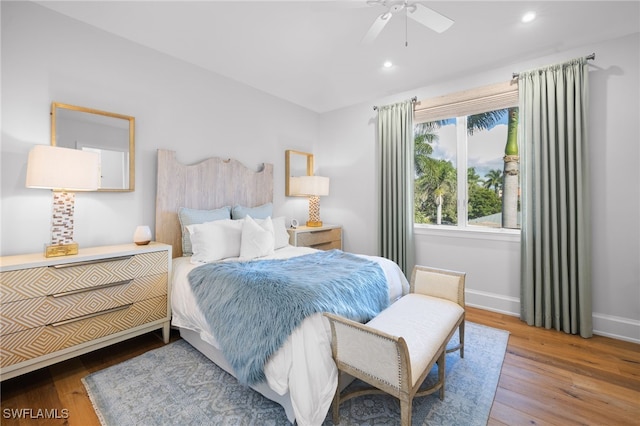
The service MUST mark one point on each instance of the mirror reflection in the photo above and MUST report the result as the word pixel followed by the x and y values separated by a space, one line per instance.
pixel 296 163
pixel 109 134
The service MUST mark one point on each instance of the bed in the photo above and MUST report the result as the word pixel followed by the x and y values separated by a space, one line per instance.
pixel 301 375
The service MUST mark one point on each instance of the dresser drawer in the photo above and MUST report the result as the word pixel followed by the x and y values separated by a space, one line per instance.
pixel 35 342
pixel 319 238
pixel 48 280
pixel 38 311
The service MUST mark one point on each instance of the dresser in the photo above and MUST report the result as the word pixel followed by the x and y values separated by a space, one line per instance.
pixel 54 309
pixel 324 237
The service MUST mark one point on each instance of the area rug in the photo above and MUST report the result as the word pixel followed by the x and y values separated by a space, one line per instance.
pixel 177 385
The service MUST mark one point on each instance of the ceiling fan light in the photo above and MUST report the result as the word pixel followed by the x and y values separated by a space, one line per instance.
pixel 528 17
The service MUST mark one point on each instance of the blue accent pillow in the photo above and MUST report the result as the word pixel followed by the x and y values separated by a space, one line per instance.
pixel 260 212
pixel 189 216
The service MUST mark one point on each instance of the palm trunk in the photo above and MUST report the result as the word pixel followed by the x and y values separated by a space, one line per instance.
pixel 511 174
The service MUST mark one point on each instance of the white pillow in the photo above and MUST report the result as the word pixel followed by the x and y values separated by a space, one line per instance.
pixel 257 239
pixel 211 241
pixel 280 233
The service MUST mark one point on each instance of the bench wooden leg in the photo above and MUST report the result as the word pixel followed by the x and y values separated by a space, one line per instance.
pixel 405 412
pixel 335 405
pixel 461 334
pixel 441 372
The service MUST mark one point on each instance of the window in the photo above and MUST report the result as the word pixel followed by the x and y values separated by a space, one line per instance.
pixel 466 160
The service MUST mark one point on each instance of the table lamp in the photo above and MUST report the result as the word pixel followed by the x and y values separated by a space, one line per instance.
pixel 65 171
pixel 312 187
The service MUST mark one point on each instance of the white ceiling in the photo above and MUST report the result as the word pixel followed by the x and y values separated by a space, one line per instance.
pixel 309 52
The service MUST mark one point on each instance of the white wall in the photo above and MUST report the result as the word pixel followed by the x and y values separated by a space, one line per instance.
pixel 346 150
pixel 48 57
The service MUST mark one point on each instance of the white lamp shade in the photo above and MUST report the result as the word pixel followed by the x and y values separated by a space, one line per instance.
pixel 52 167
pixel 309 185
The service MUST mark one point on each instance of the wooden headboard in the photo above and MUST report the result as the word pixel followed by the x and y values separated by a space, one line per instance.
pixel 207 185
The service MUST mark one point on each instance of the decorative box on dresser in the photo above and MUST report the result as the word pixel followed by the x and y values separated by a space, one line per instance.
pixel 325 237
pixel 56 308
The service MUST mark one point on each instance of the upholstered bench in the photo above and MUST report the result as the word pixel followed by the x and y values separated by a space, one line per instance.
pixel 396 350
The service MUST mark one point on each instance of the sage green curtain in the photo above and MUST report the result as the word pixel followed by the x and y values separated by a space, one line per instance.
pixel 395 153
pixel 555 247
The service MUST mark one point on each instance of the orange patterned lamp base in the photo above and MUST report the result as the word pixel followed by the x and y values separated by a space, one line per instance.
pixel 314 212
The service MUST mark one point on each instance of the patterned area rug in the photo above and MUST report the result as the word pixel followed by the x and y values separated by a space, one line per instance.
pixel 176 385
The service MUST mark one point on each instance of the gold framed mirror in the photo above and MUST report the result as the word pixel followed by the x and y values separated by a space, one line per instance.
pixel 110 135
pixel 296 163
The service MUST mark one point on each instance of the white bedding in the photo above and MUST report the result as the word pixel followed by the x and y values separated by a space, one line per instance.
pixel 303 366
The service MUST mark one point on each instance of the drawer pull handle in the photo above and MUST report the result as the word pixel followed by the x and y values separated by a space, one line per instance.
pixel 97 287
pixel 90 262
pixel 95 314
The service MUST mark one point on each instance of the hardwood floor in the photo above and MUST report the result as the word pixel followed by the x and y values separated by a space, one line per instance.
pixel 548 378
pixel 551 378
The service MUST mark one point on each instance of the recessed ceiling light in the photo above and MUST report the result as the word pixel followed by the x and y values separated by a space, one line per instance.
pixel 387 64
pixel 528 17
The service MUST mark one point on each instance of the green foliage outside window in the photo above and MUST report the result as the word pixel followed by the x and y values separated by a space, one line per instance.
pixel 436 178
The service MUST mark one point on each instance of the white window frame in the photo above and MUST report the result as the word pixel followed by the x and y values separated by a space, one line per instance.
pixel 462 104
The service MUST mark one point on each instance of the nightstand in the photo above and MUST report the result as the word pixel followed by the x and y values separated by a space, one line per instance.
pixel 53 309
pixel 324 237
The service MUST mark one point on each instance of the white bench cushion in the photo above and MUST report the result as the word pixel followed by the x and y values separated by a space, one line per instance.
pixel 423 321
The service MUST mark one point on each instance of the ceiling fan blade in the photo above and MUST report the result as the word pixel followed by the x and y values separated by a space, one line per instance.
pixel 376 27
pixel 429 18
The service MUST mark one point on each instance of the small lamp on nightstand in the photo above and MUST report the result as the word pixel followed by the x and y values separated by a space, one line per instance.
pixel 313 187
pixel 65 171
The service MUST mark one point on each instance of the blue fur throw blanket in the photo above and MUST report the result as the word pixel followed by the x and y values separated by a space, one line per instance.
pixel 252 307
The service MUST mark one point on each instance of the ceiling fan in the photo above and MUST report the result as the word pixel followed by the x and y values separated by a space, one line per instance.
pixel 419 13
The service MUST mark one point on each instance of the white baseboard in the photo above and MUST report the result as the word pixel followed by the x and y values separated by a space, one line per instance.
pixel 603 325
pixel 616 327
pixel 493 302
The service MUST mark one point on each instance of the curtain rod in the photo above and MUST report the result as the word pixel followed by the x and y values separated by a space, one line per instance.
pixel 588 58
pixel 413 100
